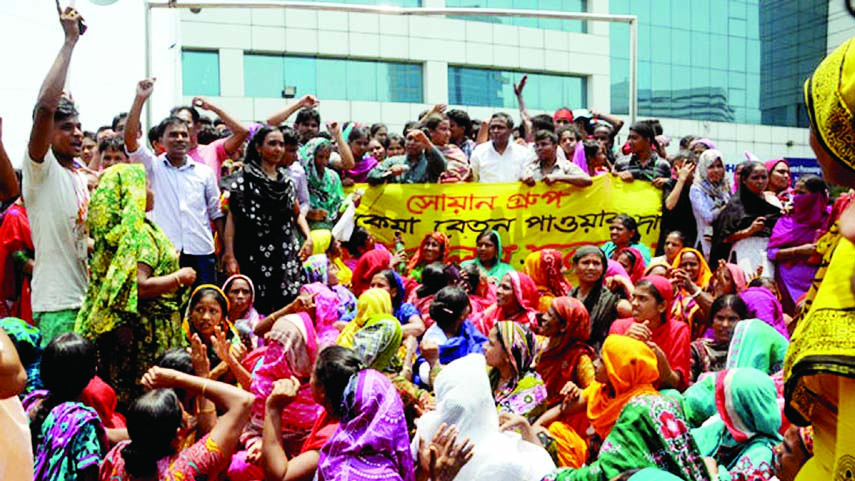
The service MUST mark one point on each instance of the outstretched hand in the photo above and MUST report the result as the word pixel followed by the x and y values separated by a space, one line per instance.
pixel 518 87
pixel 145 87
pixel 72 22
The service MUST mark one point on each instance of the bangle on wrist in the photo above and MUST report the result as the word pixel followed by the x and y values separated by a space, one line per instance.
pixel 205 386
pixel 177 281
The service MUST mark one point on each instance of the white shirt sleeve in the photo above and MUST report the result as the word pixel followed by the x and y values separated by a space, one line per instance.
pixel 212 195
pixel 143 155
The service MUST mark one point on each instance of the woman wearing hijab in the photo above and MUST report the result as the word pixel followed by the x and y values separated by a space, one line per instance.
pixel 565 358
pixel 742 438
pixel 207 312
pixel 709 194
pixel 320 269
pixel 516 300
pixel 792 246
pixel 727 279
pixel 464 400
pixel 433 248
pixel 639 427
pixel 632 262
pixel 603 305
pixel 325 191
pixel 369 264
pixel 546 268
pixel 371 442
pixel 517 388
pixel 651 322
pixel 406 313
pixel 323 243
pixel 489 256
pixel 778 191
pixel 372 302
pixel 240 292
pixel 756 345
pixel 762 304
pixel 136 286
pixel 262 224
pixel 692 275
pixel 820 380
pixel 291 352
pixel 710 354
pixel 744 226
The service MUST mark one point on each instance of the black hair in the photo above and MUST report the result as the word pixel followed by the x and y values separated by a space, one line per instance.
pixel 678 234
pixel 494 238
pixel 630 224
pixel 208 134
pixel 392 137
pixel 65 110
pixel 392 280
pixel 644 283
pixel 686 141
pixel 358 133
pixel 746 168
pixel 68 364
pixel 307 115
pixel 253 156
pixel 546 134
pixel 171 120
pixel 334 367
pixel 412 124
pixel 813 183
pixel 462 119
pixel 178 359
pixel 505 117
pixel 205 121
pixel 475 128
pixel 448 306
pixel 289 136
pixel 118 118
pixel 88 134
pixel 194 114
pixel 593 297
pixel 542 122
pixel 628 253
pixel 471 274
pixel 592 147
pixel 732 301
pixel 434 278
pixel 432 121
pixel 376 128
pixel 153 420
pixel 324 135
pixel 357 240
pixel 209 291
pixel 644 130
pixel 763 282
pixel 577 134
pixel 155 133
pixel 112 143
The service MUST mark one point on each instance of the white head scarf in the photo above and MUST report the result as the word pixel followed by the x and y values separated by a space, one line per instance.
pixel 718 191
pixel 464 399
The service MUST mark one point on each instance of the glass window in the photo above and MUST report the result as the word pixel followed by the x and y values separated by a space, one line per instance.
pixel 396 3
pixel 545 23
pixel 332 78
pixel 494 88
pixel 200 73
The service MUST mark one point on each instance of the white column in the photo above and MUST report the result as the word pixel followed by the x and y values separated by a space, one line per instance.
pixel 231 72
pixel 436 82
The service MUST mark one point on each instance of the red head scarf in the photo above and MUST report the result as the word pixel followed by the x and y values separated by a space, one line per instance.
pixel 666 291
pixel 418 259
pixel 369 264
pixel 638 266
pixel 557 365
pixel 526 295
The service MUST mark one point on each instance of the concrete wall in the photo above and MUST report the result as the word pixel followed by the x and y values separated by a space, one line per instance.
pixel 841 25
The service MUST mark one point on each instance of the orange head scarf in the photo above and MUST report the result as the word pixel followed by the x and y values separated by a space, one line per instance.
pixel 544 268
pixel 632 370
pixel 440 239
pixel 705 273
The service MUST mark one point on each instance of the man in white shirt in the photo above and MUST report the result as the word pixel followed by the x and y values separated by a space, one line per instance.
pixel 187 199
pixel 500 160
pixel 57 197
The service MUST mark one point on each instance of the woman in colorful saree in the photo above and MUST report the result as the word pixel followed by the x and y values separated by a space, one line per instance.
pixel 546 269
pixel 710 354
pixel 136 286
pixel 741 439
pixel 639 427
pixel 433 248
pixel 371 442
pixel 371 303
pixel 240 292
pixel 516 300
pixel 517 388
pixel 692 305
pixel 818 370
pixel 603 305
pixel 489 256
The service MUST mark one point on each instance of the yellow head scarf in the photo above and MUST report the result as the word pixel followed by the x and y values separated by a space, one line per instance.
pixel 321 241
pixel 705 273
pixel 830 98
pixel 226 322
pixel 370 303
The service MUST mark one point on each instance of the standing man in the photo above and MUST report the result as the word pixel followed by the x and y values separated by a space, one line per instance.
pixel 187 199
pixel 643 164
pixel 500 160
pixel 214 154
pixel 57 197
pixel 549 168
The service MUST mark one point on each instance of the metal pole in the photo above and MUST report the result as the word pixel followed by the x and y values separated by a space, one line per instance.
pixel 633 71
pixel 148 62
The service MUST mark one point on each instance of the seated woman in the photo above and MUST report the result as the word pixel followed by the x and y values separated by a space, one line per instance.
pixel 371 441
pixel 674 242
pixel 241 293
pixel 360 243
pixel 710 354
pixel 406 313
pixel 68 438
pixel 652 323
pixel 517 387
pixel 624 233
pixel 290 353
pixel 372 302
pixel 464 400
pixel 727 279
pixel 603 305
pixel 692 274
pixel 451 337
pixel 757 345
pixel 208 309
pixel 792 246
pixel 324 243
pixel 793 452
pixel 742 439
pixel 516 300
pixel 764 305
pixel 325 191
pixel 434 248
pixel 640 428
pixel 489 256
pixel 156 426
pixel 28 344
pixel 482 293
pixel 319 268
pixel 546 269
pixel 434 278
pixel 566 357
pixel 632 261
pixel 370 264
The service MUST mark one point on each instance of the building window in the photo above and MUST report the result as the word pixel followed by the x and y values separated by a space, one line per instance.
pixel 495 88
pixel 395 3
pixel 333 78
pixel 200 72
pixel 577 26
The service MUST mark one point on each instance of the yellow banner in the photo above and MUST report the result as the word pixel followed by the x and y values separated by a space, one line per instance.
pixel 527 218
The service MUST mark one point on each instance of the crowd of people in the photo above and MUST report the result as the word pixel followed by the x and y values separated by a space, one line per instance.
pixel 201 304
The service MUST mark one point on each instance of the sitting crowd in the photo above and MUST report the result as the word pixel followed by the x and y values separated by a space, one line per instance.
pixel 203 305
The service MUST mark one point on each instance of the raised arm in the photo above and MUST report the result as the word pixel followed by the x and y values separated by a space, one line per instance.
pixel 239 130
pixel 305 102
pixel 274 461
pixel 348 161
pixel 131 134
pixel 616 122
pixel 524 116
pixel 52 86
pixel 8 181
